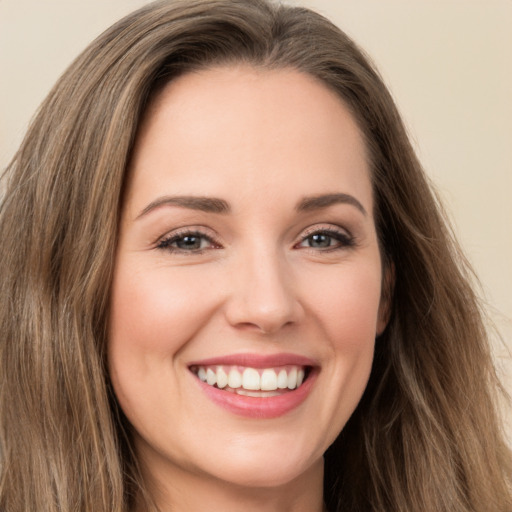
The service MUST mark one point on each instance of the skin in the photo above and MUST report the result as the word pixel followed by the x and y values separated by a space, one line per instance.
pixel 261 141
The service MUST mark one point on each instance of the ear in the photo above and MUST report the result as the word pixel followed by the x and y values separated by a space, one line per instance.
pixel 386 297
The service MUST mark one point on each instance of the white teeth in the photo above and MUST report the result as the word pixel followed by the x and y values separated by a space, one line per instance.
pixel 292 379
pixel 234 379
pixel 282 380
pixel 222 378
pixel 202 374
pixel 251 379
pixel 211 377
pixel 268 380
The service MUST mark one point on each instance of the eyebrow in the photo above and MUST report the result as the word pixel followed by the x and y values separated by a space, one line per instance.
pixel 204 204
pixel 326 200
pixel 220 206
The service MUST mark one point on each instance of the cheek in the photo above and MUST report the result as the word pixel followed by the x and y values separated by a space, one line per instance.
pixel 348 314
pixel 155 312
pixel 348 307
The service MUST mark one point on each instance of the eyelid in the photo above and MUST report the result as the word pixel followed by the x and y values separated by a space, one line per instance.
pixel 325 228
pixel 164 242
pixel 343 235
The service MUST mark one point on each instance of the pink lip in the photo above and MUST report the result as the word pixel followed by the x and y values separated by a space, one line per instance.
pixel 258 407
pixel 256 360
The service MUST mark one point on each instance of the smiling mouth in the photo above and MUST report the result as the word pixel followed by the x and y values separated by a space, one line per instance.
pixel 253 382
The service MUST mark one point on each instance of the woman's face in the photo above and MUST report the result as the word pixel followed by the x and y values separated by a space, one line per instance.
pixel 247 262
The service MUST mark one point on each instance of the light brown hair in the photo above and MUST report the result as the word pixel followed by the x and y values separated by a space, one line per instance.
pixel 426 435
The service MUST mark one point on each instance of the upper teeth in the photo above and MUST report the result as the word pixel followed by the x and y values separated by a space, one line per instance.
pixel 264 379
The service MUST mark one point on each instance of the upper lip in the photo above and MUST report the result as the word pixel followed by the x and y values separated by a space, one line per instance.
pixel 256 360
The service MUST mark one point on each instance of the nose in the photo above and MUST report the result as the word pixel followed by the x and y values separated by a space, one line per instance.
pixel 263 297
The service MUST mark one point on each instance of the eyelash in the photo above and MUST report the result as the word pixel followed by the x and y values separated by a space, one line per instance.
pixel 342 239
pixel 166 243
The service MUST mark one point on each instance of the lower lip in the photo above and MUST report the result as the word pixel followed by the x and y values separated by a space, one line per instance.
pixel 260 407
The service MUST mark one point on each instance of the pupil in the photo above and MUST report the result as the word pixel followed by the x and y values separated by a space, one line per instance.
pixel 320 240
pixel 189 242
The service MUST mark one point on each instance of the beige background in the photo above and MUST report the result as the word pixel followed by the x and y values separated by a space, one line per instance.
pixel 447 62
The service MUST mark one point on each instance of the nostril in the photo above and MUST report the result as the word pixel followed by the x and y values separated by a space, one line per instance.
pixel 263 327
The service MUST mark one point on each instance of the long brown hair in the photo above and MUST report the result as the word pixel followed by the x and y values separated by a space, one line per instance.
pixel 426 435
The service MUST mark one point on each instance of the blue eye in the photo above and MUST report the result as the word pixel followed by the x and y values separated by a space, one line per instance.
pixel 190 241
pixel 327 239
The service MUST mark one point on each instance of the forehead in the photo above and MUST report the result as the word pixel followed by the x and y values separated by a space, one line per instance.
pixel 253 129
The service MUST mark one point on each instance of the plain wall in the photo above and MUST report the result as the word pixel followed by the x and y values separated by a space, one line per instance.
pixel 447 63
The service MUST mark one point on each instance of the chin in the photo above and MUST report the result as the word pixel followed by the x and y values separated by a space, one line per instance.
pixel 269 461
pixel 254 475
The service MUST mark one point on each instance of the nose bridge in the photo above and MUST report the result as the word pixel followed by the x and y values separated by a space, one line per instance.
pixel 263 294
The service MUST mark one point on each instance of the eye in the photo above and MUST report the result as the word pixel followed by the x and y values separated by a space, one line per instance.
pixel 187 242
pixel 327 239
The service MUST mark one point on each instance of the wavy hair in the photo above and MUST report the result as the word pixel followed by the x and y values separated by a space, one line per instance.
pixel 426 435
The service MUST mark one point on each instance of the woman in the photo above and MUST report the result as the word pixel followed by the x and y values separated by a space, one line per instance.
pixel 221 260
